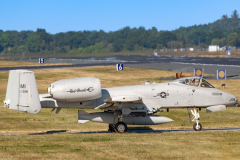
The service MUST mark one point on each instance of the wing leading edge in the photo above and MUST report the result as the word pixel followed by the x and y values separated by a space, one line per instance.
pixel 120 99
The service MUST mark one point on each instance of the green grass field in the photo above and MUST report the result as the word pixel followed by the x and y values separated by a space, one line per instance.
pixel 197 145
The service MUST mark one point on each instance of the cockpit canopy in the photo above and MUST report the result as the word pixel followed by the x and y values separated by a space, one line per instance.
pixel 194 81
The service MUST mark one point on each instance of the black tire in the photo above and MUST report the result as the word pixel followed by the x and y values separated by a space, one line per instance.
pixel 195 127
pixel 121 127
pixel 111 128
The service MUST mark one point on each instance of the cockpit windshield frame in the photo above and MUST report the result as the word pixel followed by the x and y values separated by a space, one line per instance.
pixel 206 83
pixel 194 81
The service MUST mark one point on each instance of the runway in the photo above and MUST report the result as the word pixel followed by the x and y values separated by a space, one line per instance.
pixel 178 64
pixel 4 69
pixel 129 131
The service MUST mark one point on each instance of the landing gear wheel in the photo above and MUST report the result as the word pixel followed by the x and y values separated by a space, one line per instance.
pixel 197 128
pixel 121 127
pixel 111 128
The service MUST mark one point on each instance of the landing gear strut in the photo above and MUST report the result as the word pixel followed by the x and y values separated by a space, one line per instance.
pixel 120 126
pixel 197 126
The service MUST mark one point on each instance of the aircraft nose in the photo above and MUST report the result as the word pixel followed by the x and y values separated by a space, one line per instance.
pixel 236 99
pixel 232 100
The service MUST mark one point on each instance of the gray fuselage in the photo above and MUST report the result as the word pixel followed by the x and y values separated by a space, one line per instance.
pixel 156 95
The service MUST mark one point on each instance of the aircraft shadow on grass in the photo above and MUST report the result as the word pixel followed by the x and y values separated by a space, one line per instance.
pixel 136 130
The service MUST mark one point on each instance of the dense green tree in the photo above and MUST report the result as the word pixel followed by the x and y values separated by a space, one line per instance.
pixel 175 45
pixel 47 38
pixel 214 35
pixel 224 31
pixel 34 43
pixel 235 14
pixel 202 45
pixel 236 29
pixel 224 17
pixel 118 45
pixel 216 41
pixel 23 36
pixel 164 37
pixel 4 41
pixel 234 39
pixel 1 48
pixel 22 49
pixel 159 46
pixel 197 37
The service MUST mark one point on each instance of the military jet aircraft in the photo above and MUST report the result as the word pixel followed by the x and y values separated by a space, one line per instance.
pixel 128 105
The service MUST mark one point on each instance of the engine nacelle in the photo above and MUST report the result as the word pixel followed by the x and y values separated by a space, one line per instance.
pixel 75 90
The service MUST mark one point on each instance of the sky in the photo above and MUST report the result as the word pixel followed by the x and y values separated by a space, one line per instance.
pixel 110 15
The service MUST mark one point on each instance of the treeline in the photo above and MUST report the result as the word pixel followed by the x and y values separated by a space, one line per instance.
pixel 223 32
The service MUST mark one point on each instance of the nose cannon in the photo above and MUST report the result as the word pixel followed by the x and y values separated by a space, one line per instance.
pixel 236 99
pixel 229 100
pixel 232 102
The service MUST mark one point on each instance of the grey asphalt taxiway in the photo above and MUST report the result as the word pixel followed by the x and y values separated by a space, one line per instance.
pixel 178 64
pixel 129 131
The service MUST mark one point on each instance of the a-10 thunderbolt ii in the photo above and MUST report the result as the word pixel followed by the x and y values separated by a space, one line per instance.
pixel 128 105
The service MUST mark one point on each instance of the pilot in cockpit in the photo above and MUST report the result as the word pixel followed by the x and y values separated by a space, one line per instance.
pixel 194 81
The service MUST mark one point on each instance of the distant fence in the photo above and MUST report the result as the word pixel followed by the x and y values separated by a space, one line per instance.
pixel 183 49
pixel 197 49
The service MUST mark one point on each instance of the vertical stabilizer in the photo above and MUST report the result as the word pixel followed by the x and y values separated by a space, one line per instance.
pixel 22 93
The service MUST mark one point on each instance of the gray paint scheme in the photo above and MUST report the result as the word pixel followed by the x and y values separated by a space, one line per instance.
pixel 75 90
pixel 22 93
pixel 178 96
pixel 131 101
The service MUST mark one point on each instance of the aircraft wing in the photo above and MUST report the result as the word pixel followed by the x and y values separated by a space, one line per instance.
pixel 124 99
pixel 110 102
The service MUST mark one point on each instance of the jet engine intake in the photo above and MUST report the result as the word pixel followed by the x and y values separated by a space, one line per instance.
pixel 75 90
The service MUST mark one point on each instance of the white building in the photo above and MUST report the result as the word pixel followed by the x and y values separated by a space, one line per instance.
pixel 213 48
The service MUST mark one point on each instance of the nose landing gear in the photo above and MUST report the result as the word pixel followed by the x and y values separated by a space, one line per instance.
pixel 197 126
pixel 195 118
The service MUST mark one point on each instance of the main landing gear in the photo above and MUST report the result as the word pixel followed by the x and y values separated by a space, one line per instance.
pixel 197 126
pixel 120 126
